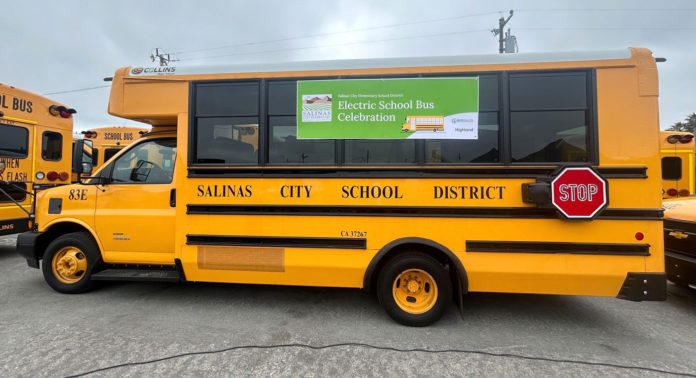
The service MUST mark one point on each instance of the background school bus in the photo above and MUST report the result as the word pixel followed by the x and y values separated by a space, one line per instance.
pixel 35 134
pixel 677 160
pixel 109 140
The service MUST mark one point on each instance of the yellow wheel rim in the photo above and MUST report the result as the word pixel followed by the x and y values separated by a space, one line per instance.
pixel 69 265
pixel 415 291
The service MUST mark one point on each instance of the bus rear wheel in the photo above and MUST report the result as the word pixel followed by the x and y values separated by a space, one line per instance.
pixel 68 262
pixel 414 289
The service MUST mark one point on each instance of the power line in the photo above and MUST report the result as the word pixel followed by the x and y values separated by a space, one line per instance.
pixel 338 44
pixel 76 90
pixel 339 32
pixel 606 28
pixel 434 35
pixel 438 20
pixel 610 10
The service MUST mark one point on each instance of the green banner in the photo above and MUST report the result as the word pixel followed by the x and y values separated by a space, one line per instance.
pixel 432 108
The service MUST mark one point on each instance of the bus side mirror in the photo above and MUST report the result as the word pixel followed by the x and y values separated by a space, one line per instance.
pixel 82 157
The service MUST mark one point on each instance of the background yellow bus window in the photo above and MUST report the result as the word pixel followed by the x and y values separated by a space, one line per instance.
pixel 14 141
pixel 51 146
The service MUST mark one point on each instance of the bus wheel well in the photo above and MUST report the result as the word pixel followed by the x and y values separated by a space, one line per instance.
pixel 55 231
pixel 436 250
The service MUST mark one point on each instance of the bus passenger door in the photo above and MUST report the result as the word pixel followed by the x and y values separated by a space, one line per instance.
pixel 16 160
pixel 134 215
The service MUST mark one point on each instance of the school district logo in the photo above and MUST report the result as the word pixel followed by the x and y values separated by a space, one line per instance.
pixel 316 108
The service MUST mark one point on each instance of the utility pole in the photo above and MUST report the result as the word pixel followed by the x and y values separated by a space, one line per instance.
pixel 158 55
pixel 500 33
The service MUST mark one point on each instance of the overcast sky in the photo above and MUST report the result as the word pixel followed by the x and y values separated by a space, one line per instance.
pixel 65 45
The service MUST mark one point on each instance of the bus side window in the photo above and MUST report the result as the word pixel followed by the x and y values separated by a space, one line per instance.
pixel 110 152
pixel 15 190
pixel 284 147
pixel 549 117
pixel 363 151
pixel 51 146
pixel 227 123
pixel 14 141
pixel 149 162
pixel 671 168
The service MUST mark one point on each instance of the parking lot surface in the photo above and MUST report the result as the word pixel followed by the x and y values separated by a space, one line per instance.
pixel 198 329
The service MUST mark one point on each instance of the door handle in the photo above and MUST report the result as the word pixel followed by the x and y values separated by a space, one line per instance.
pixel 172 198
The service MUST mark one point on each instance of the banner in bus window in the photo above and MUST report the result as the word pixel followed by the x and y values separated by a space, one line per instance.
pixel 431 108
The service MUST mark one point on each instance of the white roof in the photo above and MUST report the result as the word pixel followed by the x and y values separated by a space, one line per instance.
pixel 389 62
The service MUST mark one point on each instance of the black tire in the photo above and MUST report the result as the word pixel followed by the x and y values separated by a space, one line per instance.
pixel 82 242
pixel 401 264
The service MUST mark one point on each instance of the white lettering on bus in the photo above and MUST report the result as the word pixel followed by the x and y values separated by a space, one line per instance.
pixel 577 192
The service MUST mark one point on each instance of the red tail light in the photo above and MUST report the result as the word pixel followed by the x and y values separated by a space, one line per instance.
pixel 52 176
pixel 670 192
pixel 684 193
pixel 63 176
pixel 639 236
pixel 686 138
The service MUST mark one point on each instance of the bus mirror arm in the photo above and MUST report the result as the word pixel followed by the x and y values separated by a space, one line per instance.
pixel 93 180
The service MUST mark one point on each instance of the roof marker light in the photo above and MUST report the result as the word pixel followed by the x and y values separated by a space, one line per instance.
pixel 672 139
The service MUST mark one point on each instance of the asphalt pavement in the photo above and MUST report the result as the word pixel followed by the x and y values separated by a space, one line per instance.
pixel 130 329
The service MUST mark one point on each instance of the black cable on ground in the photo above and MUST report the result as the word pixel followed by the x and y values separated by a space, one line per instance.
pixel 392 349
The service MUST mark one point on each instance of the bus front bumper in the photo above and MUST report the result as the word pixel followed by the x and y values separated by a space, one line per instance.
pixel 26 247
pixel 641 286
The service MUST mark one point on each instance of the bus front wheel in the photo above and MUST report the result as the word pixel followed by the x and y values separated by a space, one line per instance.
pixel 414 289
pixel 68 262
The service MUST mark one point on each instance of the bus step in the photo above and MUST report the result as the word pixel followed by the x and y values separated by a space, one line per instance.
pixel 116 274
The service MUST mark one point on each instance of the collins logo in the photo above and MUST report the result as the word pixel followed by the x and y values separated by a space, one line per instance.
pixel 153 70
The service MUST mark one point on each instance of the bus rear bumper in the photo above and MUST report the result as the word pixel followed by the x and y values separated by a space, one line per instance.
pixel 26 247
pixel 641 286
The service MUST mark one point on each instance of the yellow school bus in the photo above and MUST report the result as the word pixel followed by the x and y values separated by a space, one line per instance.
pixel 109 140
pixel 35 135
pixel 677 159
pixel 558 193
pixel 680 241
pixel 424 123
